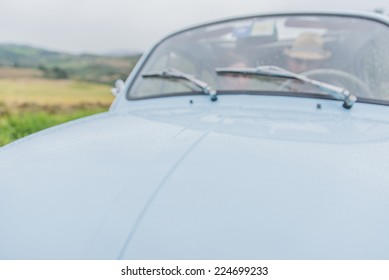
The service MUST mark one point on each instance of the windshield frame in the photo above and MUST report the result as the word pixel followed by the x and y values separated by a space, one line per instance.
pixel 137 71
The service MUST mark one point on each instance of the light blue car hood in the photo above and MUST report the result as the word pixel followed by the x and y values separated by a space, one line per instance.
pixel 201 181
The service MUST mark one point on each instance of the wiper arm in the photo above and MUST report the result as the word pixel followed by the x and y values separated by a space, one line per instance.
pixel 172 73
pixel 275 71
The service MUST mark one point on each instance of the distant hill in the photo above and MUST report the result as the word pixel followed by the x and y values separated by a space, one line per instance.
pixel 60 65
pixel 121 53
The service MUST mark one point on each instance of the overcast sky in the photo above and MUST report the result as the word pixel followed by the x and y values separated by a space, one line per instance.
pixel 105 25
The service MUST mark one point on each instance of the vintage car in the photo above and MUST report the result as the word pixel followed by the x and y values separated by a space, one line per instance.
pixel 262 137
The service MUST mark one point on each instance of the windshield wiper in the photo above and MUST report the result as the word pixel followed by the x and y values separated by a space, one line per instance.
pixel 275 71
pixel 172 73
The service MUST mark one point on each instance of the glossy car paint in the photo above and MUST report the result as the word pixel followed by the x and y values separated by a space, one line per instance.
pixel 274 178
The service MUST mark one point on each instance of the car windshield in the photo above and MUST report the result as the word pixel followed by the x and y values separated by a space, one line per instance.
pixel 347 52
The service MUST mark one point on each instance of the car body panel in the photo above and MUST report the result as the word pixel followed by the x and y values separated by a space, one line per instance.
pixel 273 179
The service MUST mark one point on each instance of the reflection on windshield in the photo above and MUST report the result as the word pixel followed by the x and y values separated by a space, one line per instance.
pixel 350 53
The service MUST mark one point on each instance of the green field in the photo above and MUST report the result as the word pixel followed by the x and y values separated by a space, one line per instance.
pixel 29 103
pixel 48 92
pixel 41 88
pixel 15 124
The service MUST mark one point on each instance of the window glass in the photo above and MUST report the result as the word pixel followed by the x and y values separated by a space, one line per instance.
pixel 348 52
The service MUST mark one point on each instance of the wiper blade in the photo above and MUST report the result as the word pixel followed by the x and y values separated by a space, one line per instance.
pixel 278 72
pixel 172 73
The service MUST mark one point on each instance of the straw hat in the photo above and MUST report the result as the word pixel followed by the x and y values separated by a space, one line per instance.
pixel 308 46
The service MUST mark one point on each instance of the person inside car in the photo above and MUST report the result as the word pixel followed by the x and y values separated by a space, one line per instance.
pixel 306 53
pixel 233 81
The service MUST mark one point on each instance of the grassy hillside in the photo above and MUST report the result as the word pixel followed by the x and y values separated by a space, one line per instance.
pixel 40 88
pixel 29 102
pixel 28 105
pixel 57 65
pixel 32 99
